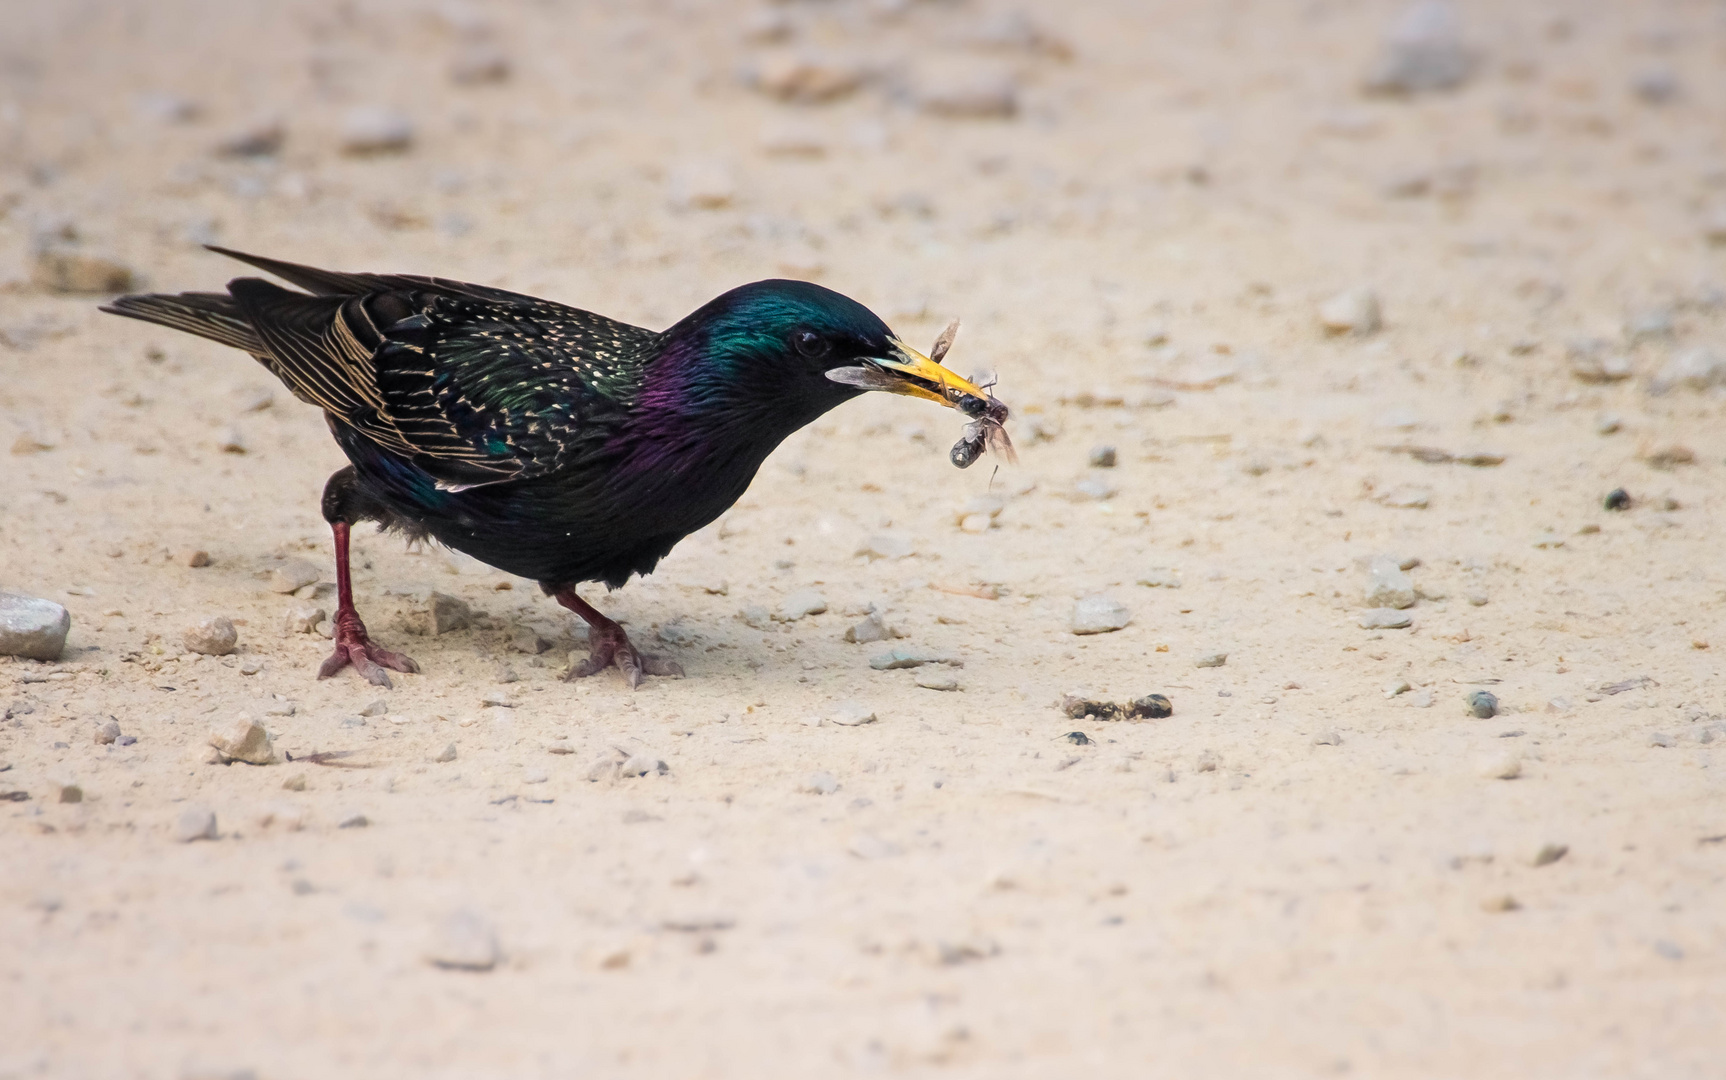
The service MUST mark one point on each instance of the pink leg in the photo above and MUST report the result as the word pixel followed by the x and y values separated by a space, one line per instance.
pixel 352 644
pixel 608 645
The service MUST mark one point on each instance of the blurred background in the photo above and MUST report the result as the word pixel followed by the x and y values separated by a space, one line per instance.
pixel 1277 289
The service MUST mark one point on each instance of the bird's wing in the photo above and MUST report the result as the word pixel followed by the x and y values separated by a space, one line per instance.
pixel 473 390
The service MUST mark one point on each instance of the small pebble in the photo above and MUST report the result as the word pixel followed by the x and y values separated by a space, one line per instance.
pixel 354 820
pixel 31 628
pixel 196 558
pixel 1420 699
pixel 819 783
pixel 1550 853
pixel 642 765
pixel 557 746
pixel 296 782
pixel 800 604
pixel 1353 312
pixel 702 185
pixel 1385 619
pixel 971 95
pixel 1206 762
pixel 908 657
pixel 291 575
pixel 1212 660
pixel 886 546
pixel 251 667
pixel 1423 52
pixel 525 639
pixel 1399 686
pixel 195 823
pixel 1617 499
pixel 446 755
pixel 1499 904
pixel 214 636
pixel 850 714
pixel 1478 599
pixel 439 613
pixel 1388 585
pixel 1699 368
pixel 535 776
pixel 67 791
pixel 1499 767
pixel 260 138
pixel 1099 615
pixel 464 941
pixel 1102 457
pixel 1482 704
pixel 1608 424
pixel 1161 578
pixel 244 740
pixel 1406 497
pixel 1661 739
pixel 1327 738
pixel 107 732
pixel 375 130
pixel 937 681
pixel 477 63
pixel 304 619
pixel 873 628
pixel 808 78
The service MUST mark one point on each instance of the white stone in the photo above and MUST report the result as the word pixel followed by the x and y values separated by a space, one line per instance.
pixel 819 783
pixel 290 575
pixel 244 740
pixel 1099 615
pixel 886 546
pixel 463 941
pixel 31 628
pixel 1695 369
pixel 850 714
pixel 304 619
pixel 802 603
pixel 371 129
pixel 214 636
pixel 195 823
pixel 1353 312
pixel 1385 618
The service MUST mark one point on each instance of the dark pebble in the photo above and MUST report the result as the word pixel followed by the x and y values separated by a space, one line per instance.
pixel 1151 707
pixel 1617 499
pixel 1482 704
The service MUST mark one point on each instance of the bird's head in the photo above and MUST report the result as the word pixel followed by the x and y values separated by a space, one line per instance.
pixel 800 349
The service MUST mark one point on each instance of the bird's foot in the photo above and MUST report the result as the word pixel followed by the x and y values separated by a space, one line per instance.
pixel 354 647
pixel 609 646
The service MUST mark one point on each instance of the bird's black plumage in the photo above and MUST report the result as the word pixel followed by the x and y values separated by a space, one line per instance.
pixel 550 442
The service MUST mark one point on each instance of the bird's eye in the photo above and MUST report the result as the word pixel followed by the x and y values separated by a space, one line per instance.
pixel 811 344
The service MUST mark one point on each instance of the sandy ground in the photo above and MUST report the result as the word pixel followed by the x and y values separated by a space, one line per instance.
pixel 1297 874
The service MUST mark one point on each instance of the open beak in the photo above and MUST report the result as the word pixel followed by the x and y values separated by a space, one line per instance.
pixel 911 373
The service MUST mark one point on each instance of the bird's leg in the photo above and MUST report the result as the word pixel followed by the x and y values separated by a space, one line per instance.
pixel 607 645
pixel 352 644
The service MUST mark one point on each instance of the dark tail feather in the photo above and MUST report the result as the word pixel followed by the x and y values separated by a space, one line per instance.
pixel 309 278
pixel 211 315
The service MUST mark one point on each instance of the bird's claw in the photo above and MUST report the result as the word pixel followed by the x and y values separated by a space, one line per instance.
pixel 354 647
pixel 614 650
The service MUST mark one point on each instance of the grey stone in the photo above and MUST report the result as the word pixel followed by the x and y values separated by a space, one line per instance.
pixel 937 680
pixel 446 755
pixel 1099 615
pixel 1094 487
pixel 525 639
pixel 756 616
pixel 1161 578
pixel 244 740
pixel 909 657
pixel 1407 497
pixel 1388 585
pixel 68 791
pixel 214 636
pixel 479 62
pixel 802 603
pixel 463 941
pixel 291 575
pixel 534 775
pixel 1212 660
pixel 1102 457
pixel 107 732
pixel 1482 704
pixel 353 820
pixel 195 823
pixel 376 708
pixel 873 628
pixel 296 782
pixel 370 129
pixel 1654 86
pixel 1353 312
pixel 31 628
pixel 1327 738
pixel 1548 854
pixel 260 138
pixel 1385 619
pixel 1593 360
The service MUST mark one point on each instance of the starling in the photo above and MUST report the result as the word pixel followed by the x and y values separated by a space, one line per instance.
pixel 549 442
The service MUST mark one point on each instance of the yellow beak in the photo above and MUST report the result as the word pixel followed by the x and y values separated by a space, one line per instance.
pixel 922 377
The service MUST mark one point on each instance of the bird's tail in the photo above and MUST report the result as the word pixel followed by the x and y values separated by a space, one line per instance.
pixel 212 315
